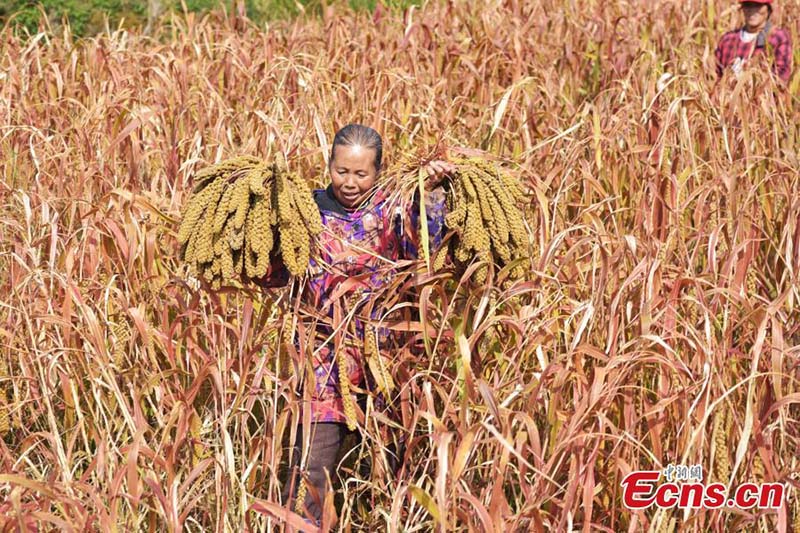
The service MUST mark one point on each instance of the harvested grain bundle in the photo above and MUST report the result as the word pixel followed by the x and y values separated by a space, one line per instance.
pixel 482 211
pixel 239 209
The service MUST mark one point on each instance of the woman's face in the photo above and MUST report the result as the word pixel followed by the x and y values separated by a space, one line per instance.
pixel 353 173
pixel 755 14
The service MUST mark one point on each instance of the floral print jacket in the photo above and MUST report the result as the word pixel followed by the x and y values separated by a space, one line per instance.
pixel 359 254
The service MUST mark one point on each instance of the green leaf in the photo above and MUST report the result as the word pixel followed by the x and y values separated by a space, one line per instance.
pixel 423 221
pixel 426 501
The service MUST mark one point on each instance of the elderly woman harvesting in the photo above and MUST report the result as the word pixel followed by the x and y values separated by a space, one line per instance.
pixel 346 245
pixel 363 240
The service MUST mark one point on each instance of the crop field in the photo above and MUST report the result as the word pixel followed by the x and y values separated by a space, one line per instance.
pixel 658 321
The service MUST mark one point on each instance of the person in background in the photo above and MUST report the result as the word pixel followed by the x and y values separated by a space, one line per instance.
pixel 757 37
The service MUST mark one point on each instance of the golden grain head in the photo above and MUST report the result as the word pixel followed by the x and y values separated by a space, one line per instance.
pixel 719 436
pixel 241 199
pixel 300 497
pixel 344 390
pixel 5 408
pixel 796 513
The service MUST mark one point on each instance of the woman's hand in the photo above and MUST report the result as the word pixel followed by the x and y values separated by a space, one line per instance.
pixel 437 171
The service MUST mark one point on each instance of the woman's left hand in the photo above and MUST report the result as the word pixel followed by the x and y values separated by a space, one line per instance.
pixel 437 171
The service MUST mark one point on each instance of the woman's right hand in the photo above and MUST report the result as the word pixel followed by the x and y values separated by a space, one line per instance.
pixel 437 171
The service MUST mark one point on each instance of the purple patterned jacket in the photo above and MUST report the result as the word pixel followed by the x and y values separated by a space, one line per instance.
pixel 359 252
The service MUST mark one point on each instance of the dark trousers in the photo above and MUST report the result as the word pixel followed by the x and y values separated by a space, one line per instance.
pixel 326 440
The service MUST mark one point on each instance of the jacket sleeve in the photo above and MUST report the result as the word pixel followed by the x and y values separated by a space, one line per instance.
pixel 725 51
pixel 718 56
pixel 409 228
pixel 783 55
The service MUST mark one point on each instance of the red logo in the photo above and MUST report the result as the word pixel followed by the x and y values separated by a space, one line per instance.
pixel 640 490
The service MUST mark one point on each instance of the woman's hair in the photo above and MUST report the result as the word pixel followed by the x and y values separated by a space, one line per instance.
pixel 358 135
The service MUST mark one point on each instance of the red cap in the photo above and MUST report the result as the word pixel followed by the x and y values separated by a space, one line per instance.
pixel 766 2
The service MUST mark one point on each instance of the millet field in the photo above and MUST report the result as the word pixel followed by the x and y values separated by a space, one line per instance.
pixel 657 323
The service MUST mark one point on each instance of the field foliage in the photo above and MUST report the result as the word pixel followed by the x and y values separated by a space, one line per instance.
pixel 87 18
pixel 659 323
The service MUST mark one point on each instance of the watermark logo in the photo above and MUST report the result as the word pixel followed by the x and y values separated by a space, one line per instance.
pixel 683 488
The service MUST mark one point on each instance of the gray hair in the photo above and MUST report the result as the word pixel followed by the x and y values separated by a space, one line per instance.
pixel 358 135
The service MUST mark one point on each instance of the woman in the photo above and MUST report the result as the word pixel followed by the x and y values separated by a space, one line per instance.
pixel 755 38
pixel 358 253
